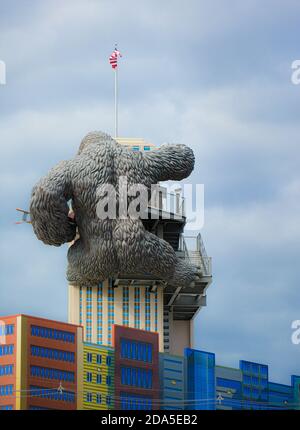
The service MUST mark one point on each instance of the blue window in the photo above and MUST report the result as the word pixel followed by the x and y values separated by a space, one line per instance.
pixel 108 360
pixel 137 377
pixel 6 408
pixel 133 350
pixel 147 148
pixel 135 402
pixel 6 350
pixel 48 373
pixel 89 397
pixel 99 378
pixel 52 354
pixel 99 399
pixel 108 380
pixel 108 400
pixel 89 376
pixel 135 148
pixel 51 333
pixel 99 358
pixel 7 369
pixel 7 329
pixel 89 357
pixel 6 390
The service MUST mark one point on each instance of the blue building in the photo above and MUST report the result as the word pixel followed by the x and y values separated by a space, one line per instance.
pixel 255 385
pixel 171 376
pixel 228 388
pixel 200 387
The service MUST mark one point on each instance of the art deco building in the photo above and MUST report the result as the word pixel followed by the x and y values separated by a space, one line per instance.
pixel 141 301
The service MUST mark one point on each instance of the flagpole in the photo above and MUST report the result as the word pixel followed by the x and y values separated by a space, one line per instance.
pixel 116 102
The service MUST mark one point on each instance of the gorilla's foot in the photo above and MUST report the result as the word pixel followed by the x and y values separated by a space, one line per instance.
pixel 185 274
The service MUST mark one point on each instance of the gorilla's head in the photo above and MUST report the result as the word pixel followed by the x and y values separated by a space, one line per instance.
pixel 95 138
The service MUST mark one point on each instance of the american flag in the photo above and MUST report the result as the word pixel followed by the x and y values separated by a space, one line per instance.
pixel 113 59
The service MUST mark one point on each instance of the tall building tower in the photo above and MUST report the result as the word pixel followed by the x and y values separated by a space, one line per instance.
pixel 141 301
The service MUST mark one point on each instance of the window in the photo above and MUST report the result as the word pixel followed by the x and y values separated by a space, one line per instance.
pixel 49 373
pixel 52 394
pixel 99 378
pixel 99 399
pixel 134 350
pixel 147 148
pixel 51 333
pixel 135 148
pixel 6 350
pixel 7 369
pixel 89 397
pixel 99 358
pixel 6 390
pixel 135 402
pixel 136 377
pixel 52 354
pixel 89 376
pixel 89 357
pixel 7 329
pixel 108 380
pixel 108 400
pixel 108 360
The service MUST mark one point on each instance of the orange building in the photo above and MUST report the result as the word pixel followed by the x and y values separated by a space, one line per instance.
pixel 40 363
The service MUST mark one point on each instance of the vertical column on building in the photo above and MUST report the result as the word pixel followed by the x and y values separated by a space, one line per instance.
pixel 94 315
pixel 73 304
pixel 105 313
pixel 160 317
pixel 83 289
pixel 118 318
pixel 131 305
pixel 142 308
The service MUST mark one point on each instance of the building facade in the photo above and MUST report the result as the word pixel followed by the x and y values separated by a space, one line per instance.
pixel 228 388
pixel 172 379
pixel 130 304
pixel 200 380
pixel 136 369
pixel 45 364
pixel 98 377
pixel 39 361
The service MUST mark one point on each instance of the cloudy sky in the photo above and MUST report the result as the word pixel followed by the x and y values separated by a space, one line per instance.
pixel 215 75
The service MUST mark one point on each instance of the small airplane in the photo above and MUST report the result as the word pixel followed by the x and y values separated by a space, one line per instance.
pixel 25 217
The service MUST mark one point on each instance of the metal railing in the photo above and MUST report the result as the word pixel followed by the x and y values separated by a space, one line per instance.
pixel 172 203
pixel 194 250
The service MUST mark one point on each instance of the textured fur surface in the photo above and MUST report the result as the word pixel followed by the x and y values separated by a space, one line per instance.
pixel 105 248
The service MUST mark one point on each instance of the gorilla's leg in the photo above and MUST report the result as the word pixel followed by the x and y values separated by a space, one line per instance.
pixel 88 267
pixel 158 258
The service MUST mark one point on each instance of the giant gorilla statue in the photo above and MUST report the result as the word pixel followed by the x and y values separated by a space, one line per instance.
pixel 104 248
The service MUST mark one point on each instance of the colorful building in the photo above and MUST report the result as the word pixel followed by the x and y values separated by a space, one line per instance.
pixel 136 369
pixel 45 364
pixel 98 377
pixel 199 379
pixel 172 379
pixel 228 388
pixel 38 363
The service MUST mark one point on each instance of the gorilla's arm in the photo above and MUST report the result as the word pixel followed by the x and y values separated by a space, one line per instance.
pixel 49 209
pixel 169 162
